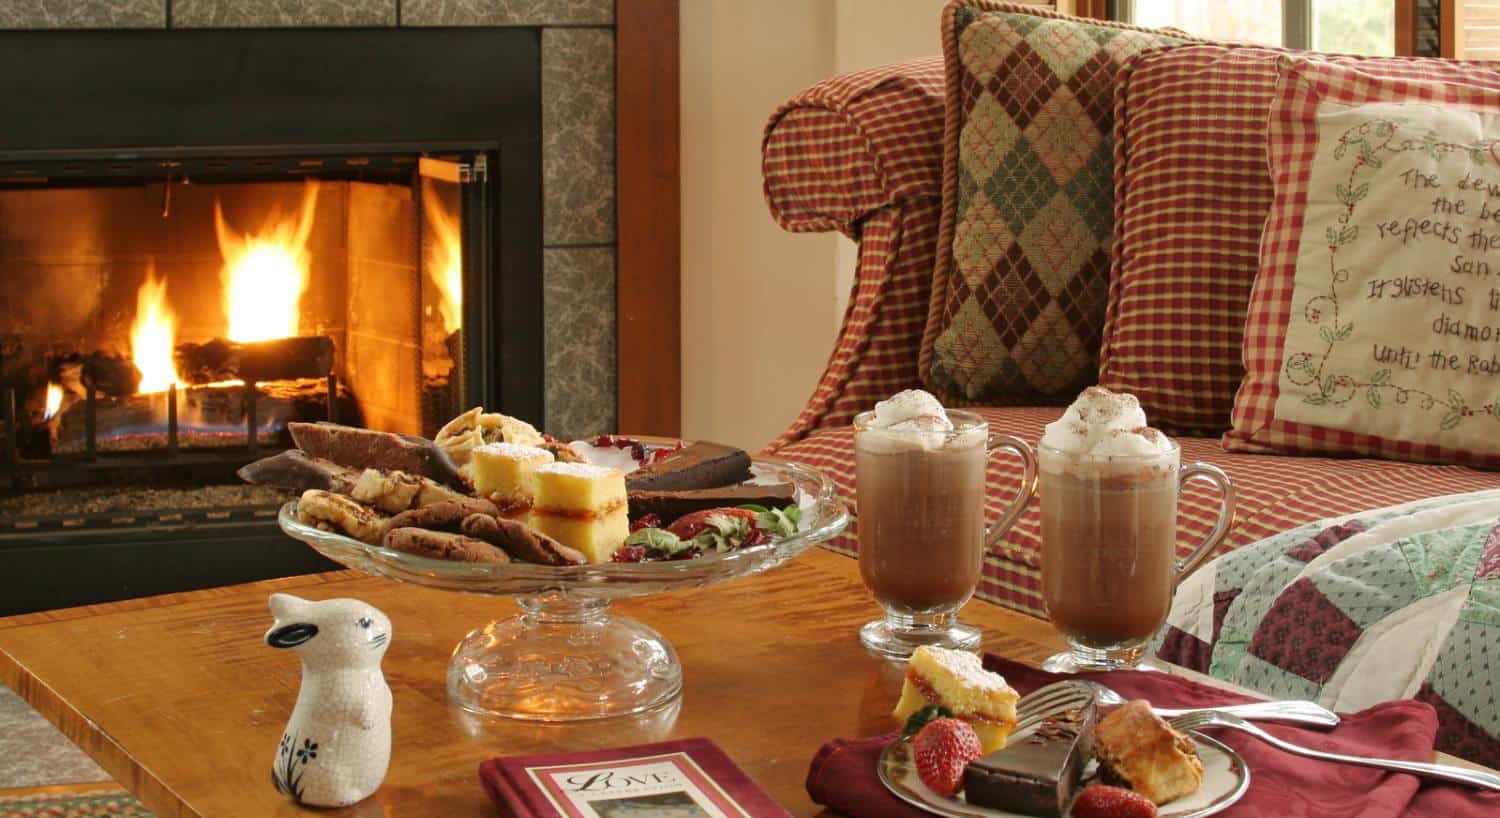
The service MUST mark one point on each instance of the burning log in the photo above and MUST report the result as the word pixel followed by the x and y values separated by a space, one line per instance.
pixel 114 376
pixel 308 356
pixel 209 417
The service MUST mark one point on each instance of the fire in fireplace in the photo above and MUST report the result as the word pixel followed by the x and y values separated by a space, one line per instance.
pixel 207 235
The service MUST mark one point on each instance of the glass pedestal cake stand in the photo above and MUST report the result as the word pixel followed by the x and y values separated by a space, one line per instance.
pixel 566 657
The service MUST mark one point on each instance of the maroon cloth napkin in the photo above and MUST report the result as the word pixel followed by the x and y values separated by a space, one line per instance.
pixel 842 776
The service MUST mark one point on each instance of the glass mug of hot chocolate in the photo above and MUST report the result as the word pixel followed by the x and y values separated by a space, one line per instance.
pixel 1108 491
pixel 919 491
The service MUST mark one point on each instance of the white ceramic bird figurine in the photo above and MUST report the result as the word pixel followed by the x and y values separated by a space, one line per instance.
pixel 337 744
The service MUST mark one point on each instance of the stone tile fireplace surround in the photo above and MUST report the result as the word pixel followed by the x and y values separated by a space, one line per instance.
pixel 578 149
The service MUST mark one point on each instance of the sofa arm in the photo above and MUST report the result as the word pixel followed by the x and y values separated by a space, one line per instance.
pixel 854 143
pixel 875 355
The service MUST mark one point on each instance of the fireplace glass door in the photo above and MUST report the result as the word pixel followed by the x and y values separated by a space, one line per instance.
pixel 172 317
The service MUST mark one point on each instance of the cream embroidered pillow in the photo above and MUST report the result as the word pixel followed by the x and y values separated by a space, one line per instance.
pixel 1374 324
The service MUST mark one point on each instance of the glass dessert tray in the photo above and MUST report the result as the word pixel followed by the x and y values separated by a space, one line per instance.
pixel 565 657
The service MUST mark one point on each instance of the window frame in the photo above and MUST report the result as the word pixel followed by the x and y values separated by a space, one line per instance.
pixel 1296 20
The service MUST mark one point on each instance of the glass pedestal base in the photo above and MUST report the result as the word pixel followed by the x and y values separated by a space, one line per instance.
pixel 897 635
pixel 1084 659
pixel 563 659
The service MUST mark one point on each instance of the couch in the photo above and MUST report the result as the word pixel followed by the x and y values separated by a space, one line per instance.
pixel 861 153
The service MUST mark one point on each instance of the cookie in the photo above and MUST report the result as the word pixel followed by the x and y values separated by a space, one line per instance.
pixel 299 471
pixel 521 541
pixel 446 515
pixel 442 545
pixel 340 514
pixel 369 449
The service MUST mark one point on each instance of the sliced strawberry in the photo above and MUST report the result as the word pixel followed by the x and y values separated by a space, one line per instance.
pixel 1100 801
pixel 691 525
pixel 942 750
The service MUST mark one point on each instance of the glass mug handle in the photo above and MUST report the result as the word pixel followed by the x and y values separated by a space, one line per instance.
pixel 1210 474
pixel 1023 496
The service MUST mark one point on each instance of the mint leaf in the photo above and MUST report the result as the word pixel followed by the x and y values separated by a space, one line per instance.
pixel 724 533
pixel 779 522
pixel 658 539
pixel 919 719
pixel 753 507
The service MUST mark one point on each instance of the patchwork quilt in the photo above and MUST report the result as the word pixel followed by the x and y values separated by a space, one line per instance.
pixel 1400 602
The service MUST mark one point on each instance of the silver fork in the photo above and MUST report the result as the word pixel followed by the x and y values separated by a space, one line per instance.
pixel 1051 700
pixel 1204 719
pixel 1295 712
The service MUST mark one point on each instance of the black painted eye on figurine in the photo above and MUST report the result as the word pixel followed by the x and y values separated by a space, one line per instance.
pixel 364 622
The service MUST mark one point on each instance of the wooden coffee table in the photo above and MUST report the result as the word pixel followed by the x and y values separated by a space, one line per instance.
pixel 181 701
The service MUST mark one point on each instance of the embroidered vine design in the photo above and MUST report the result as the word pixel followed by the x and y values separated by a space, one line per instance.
pixel 1371 143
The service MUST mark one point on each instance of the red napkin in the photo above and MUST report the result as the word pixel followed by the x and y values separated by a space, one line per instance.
pixel 842 776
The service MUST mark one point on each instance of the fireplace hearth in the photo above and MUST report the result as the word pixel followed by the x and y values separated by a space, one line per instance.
pixel 206 235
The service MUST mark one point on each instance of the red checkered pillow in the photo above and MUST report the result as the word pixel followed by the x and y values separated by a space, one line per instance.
pixel 1368 258
pixel 1192 190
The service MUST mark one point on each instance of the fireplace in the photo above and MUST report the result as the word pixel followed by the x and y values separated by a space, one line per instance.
pixel 206 235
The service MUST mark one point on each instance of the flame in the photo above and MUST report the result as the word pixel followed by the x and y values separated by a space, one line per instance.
pixel 153 337
pixel 54 401
pixel 265 273
pixel 445 261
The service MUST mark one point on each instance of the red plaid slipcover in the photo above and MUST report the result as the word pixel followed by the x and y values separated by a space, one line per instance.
pixel 861 153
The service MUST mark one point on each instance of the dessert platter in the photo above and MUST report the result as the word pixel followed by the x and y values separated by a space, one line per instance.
pixel 961 753
pixel 492 506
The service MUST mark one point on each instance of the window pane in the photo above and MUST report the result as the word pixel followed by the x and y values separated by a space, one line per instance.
pixel 1355 26
pixel 1254 20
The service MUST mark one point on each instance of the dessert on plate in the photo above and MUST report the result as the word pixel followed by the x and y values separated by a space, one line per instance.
pixel 1038 774
pixel 957 680
pixel 1137 749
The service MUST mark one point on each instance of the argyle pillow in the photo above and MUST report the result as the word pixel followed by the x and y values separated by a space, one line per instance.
pixel 1402 602
pixel 1017 305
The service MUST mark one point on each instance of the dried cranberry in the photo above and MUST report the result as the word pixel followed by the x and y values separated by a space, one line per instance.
pixel 604 440
pixel 757 537
pixel 638 451
pixel 630 553
pixel 645 521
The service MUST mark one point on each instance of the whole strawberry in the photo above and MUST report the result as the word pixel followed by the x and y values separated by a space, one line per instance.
pixel 1100 801
pixel 941 750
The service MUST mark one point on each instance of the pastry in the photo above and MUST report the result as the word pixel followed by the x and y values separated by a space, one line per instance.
pixel 520 541
pixel 339 514
pixel 1137 748
pixel 474 428
pixel 396 491
pixel 669 505
pixel 442 545
pixel 1038 774
pixel 299 471
pixel 447 515
pixel 957 680
pixel 504 474
pixel 369 449
pixel 699 466
pixel 583 507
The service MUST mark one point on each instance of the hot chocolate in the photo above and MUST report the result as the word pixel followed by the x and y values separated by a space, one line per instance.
pixel 920 480
pixel 921 521
pixel 1109 522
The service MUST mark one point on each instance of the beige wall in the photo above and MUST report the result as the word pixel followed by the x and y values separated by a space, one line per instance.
pixel 761 306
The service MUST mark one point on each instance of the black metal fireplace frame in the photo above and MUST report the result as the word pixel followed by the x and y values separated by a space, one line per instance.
pixel 91 106
pixel 96 104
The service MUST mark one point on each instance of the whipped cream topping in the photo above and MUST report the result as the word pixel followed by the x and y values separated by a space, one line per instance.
pixel 1101 423
pixel 914 419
